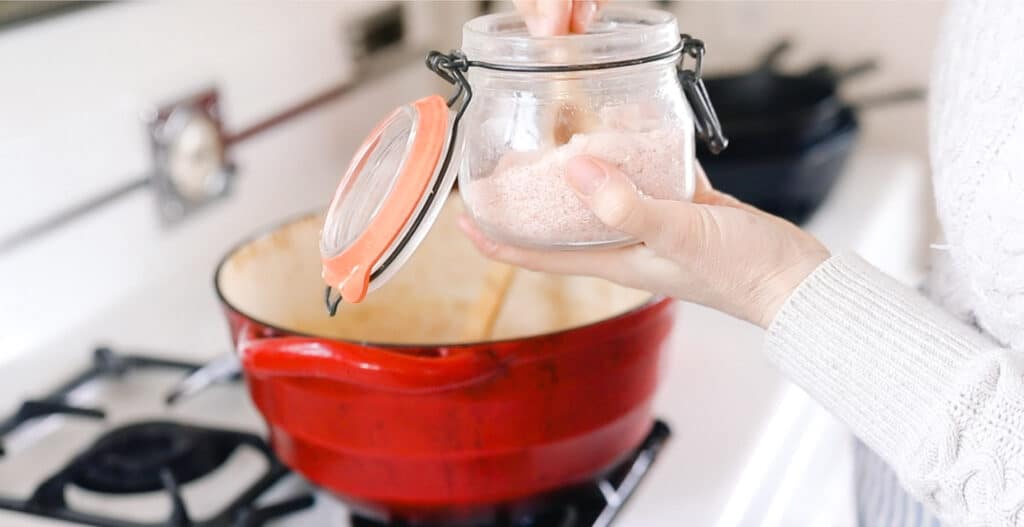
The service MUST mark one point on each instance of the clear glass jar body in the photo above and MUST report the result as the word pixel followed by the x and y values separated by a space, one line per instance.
pixel 522 128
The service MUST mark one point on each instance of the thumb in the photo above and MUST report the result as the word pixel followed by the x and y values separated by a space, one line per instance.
pixel 611 196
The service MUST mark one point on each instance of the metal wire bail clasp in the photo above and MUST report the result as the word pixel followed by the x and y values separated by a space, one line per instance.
pixel 709 129
pixel 450 67
pixel 332 302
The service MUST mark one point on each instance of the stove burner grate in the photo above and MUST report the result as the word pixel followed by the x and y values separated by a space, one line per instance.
pixel 146 457
pixel 133 458
pixel 105 363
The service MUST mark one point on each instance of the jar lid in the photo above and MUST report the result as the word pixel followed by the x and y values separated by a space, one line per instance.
pixel 388 198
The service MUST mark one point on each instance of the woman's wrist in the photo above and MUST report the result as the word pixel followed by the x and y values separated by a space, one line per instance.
pixel 778 287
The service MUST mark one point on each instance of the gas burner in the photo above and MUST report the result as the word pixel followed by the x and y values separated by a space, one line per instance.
pixel 592 505
pixel 105 364
pixel 156 456
pixel 137 458
pixel 559 516
pixel 168 456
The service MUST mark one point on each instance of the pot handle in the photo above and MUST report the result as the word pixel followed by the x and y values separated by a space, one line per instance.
pixel 894 97
pixel 838 75
pixel 375 368
pixel 770 60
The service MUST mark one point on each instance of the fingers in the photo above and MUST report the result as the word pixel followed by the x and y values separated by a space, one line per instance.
pixel 612 197
pixel 583 13
pixel 593 263
pixel 703 185
pixel 547 18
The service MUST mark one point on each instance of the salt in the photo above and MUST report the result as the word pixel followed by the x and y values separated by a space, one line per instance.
pixel 526 201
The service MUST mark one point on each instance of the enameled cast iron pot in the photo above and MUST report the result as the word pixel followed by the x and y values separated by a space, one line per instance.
pixel 429 430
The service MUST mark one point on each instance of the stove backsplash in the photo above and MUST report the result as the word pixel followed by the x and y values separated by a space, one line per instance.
pixel 75 92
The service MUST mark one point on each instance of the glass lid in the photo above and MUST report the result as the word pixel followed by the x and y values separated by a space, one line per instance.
pixel 388 198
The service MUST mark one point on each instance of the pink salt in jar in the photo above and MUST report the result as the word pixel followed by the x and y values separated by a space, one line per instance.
pixel 623 74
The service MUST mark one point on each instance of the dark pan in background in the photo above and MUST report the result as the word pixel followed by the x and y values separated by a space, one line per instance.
pixel 789 134
pixel 790 184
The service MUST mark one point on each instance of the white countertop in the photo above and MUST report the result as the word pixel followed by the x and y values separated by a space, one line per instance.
pixel 747 447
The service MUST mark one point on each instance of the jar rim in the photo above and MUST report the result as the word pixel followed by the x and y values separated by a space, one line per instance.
pixel 618 34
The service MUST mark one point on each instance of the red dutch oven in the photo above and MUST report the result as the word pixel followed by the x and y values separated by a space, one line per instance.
pixel 379 406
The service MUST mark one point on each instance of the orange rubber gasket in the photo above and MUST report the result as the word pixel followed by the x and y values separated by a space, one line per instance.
pixel 349 271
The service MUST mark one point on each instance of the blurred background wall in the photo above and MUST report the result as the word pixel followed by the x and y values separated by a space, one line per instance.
pixel 77 87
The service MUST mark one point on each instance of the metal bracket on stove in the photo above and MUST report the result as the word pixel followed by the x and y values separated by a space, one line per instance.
pixel 190 164
pixel 225 368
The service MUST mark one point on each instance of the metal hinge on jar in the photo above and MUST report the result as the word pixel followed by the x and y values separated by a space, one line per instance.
pixel 709 129
pixel 451 66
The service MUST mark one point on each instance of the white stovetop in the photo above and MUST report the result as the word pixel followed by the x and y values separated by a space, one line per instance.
pixel 747 448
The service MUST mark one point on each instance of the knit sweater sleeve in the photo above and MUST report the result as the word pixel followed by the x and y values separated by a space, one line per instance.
pixel 933 397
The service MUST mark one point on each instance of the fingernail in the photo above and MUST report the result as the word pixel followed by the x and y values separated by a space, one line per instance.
pixel 585 176
pixel 585 14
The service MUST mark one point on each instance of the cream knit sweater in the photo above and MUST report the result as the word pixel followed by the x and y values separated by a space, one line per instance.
pixel 936 386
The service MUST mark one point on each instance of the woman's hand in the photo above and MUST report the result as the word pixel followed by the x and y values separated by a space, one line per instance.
pixel 547 18
pixel 715 251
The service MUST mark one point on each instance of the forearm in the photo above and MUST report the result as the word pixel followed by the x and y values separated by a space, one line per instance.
pixel 933 397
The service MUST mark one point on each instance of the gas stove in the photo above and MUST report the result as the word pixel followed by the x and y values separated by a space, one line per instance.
pixel 106 450
pixel 118 446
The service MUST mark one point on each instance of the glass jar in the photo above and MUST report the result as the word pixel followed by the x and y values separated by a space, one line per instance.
pixel 523 107
pixel 523 126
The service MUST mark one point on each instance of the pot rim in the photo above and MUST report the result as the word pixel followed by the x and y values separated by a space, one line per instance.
pixel 652 302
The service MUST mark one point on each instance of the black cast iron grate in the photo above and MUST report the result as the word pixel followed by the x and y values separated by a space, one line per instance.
pixel 146 457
